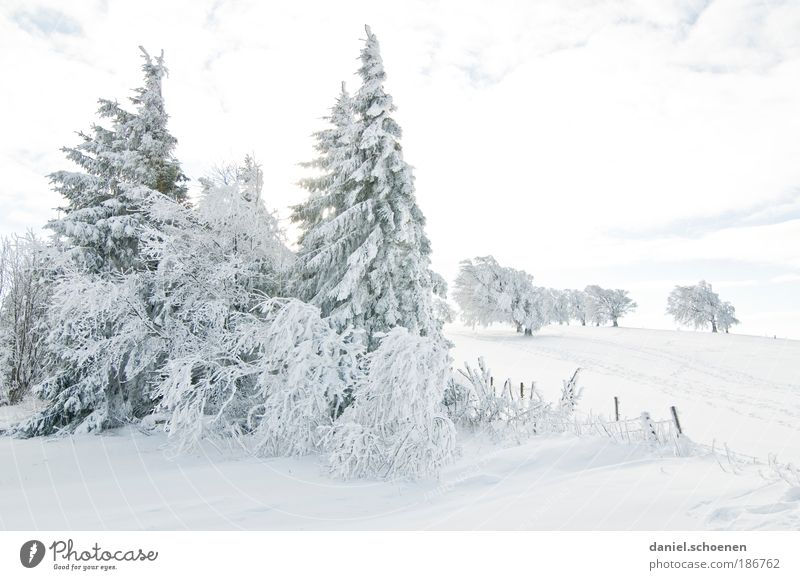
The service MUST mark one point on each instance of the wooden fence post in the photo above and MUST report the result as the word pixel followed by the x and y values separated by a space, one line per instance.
pixel 616 408
pixel 675 418
pixel 521 390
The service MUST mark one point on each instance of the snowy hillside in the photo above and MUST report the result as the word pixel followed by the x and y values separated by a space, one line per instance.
pixel 740 390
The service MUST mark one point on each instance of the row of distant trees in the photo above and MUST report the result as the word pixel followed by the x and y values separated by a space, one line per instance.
pixel 487 292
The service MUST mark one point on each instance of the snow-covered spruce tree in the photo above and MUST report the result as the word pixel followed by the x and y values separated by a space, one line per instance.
pixel 366 262
pixel 396 426
pixel 699 306
pixel 103 321
pixel 119 165
pixel 329 196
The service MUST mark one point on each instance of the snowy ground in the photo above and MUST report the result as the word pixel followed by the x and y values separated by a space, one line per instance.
pixel 742 390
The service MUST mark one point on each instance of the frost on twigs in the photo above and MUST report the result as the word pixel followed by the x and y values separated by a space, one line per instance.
pixel 272 382
pixel 396 426
pixel 510 409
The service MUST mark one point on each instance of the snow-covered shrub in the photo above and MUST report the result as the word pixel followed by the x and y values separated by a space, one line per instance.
pixel 510 410
pixel 396 426
pixel 570 394
pixel 483 404
pixel 305 380
pixel 272 379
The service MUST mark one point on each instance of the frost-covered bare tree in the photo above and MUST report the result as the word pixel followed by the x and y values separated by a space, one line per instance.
pixel 596 313
pixel 604 305
pixel 560 306
pixel 700 307
pixel 577 305
pixel 480 291
pixel 487 292
pixel 726 317
pixel 24 297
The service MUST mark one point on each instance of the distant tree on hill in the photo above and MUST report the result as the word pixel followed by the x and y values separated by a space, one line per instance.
pixel 699 306
pixel 726 317
pixel 577 305
pixel 604 305
pixel 487 292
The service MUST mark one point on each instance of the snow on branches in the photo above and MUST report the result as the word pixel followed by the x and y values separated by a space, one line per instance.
pixel 364 257
pixel 396 426
pixel 699 306
pixel 487 292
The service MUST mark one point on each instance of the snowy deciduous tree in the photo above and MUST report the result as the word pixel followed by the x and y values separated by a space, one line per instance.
pixel 577 305
pixel 699 306
pixel 216 265
pixel 275 378
pixel 364 256
pixel 479 291
pixel 306 375
pixel 726 317
pixel 618 304
pixel 24 297
pixel 603 305
pixel 396 426
pixel 560 307
pixel 487 292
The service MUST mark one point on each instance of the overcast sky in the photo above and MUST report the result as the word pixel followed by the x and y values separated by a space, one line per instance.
pixel 633 144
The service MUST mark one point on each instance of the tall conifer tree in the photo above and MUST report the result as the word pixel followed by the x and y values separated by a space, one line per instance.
pixel 104 365
pixel 366 262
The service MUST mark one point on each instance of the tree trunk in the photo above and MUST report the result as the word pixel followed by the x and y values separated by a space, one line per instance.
pixel 615 322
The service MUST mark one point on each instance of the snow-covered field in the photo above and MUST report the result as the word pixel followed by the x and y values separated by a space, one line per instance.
pixel 736 389
pixel 739 390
